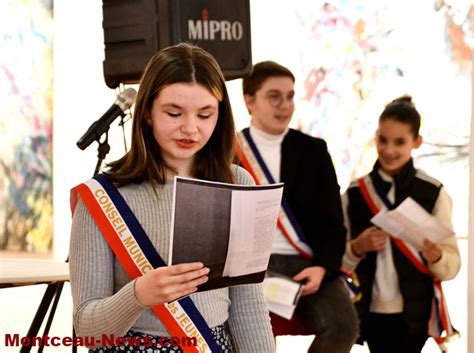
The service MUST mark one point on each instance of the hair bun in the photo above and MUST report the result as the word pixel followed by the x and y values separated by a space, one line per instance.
pixel 404 99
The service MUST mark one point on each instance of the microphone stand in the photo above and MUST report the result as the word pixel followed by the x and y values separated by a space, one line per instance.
pixel 102 151
pixel 54 289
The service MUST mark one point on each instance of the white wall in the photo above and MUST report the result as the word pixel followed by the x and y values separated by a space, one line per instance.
pixel 80 97
pixel 470 270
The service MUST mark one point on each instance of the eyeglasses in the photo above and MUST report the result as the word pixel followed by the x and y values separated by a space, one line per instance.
pixel 276 99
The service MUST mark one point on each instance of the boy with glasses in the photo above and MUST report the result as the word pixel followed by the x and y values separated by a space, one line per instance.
pixel 310 240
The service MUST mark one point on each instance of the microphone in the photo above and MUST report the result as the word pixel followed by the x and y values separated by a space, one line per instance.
pixel 123 102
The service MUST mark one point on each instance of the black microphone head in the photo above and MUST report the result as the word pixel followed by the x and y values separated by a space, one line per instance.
pixel 126 98
pixel 123 102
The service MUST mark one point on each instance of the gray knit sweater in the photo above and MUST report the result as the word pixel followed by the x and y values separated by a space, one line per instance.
pixel 103 295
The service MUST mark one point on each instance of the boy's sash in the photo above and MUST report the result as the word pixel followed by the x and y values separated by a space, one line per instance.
pixel 439 319
pixel 137 255
pixel 253 162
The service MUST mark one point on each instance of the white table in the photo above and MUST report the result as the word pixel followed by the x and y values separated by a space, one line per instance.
pixel 19 272
pixel 25 272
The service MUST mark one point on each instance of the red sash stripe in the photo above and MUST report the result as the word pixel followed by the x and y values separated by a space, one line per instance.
pixel 245 162
pixel 108 231
pixel 282 228
pixel 366 195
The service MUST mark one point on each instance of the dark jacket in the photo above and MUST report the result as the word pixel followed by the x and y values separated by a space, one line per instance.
pixel 416 288
pixel 313 195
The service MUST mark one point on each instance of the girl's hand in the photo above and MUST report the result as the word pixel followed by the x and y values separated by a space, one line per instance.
pixel 371 239
pixel 167 283
pixel 431 252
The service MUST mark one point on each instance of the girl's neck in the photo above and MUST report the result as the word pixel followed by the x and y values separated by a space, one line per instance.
pixel 186 173
pixel 182 168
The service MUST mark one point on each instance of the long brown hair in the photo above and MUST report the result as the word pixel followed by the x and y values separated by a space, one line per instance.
pixel 181 63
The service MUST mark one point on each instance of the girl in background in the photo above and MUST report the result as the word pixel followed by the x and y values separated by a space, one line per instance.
pixel 395 278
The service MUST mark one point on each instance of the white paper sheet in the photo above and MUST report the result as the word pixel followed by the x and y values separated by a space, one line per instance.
pixel 282 295
pixel 411 223
pixel 252 230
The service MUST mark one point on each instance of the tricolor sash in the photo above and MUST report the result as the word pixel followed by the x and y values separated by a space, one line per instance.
pixel 253 162
pixel 439 320
pixel 136 253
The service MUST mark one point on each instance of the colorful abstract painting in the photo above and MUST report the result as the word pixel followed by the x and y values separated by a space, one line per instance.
pixel 26 105
pixel 357 56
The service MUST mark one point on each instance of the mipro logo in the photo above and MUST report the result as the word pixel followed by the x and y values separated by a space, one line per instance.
pixel 206 29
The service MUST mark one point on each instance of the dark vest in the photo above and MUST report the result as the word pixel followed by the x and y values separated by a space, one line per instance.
pixel 416 287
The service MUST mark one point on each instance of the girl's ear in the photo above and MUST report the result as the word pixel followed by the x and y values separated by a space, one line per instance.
pixel 148 118
pixel 418 141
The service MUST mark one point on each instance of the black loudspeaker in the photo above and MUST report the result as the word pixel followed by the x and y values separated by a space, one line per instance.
pixel 136 29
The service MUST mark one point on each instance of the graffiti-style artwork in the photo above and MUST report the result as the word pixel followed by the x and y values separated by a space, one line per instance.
pixel 26 98
pixel 459 26
pixel 357 56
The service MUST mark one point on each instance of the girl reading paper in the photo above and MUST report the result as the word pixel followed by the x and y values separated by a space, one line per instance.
pixel 182 125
